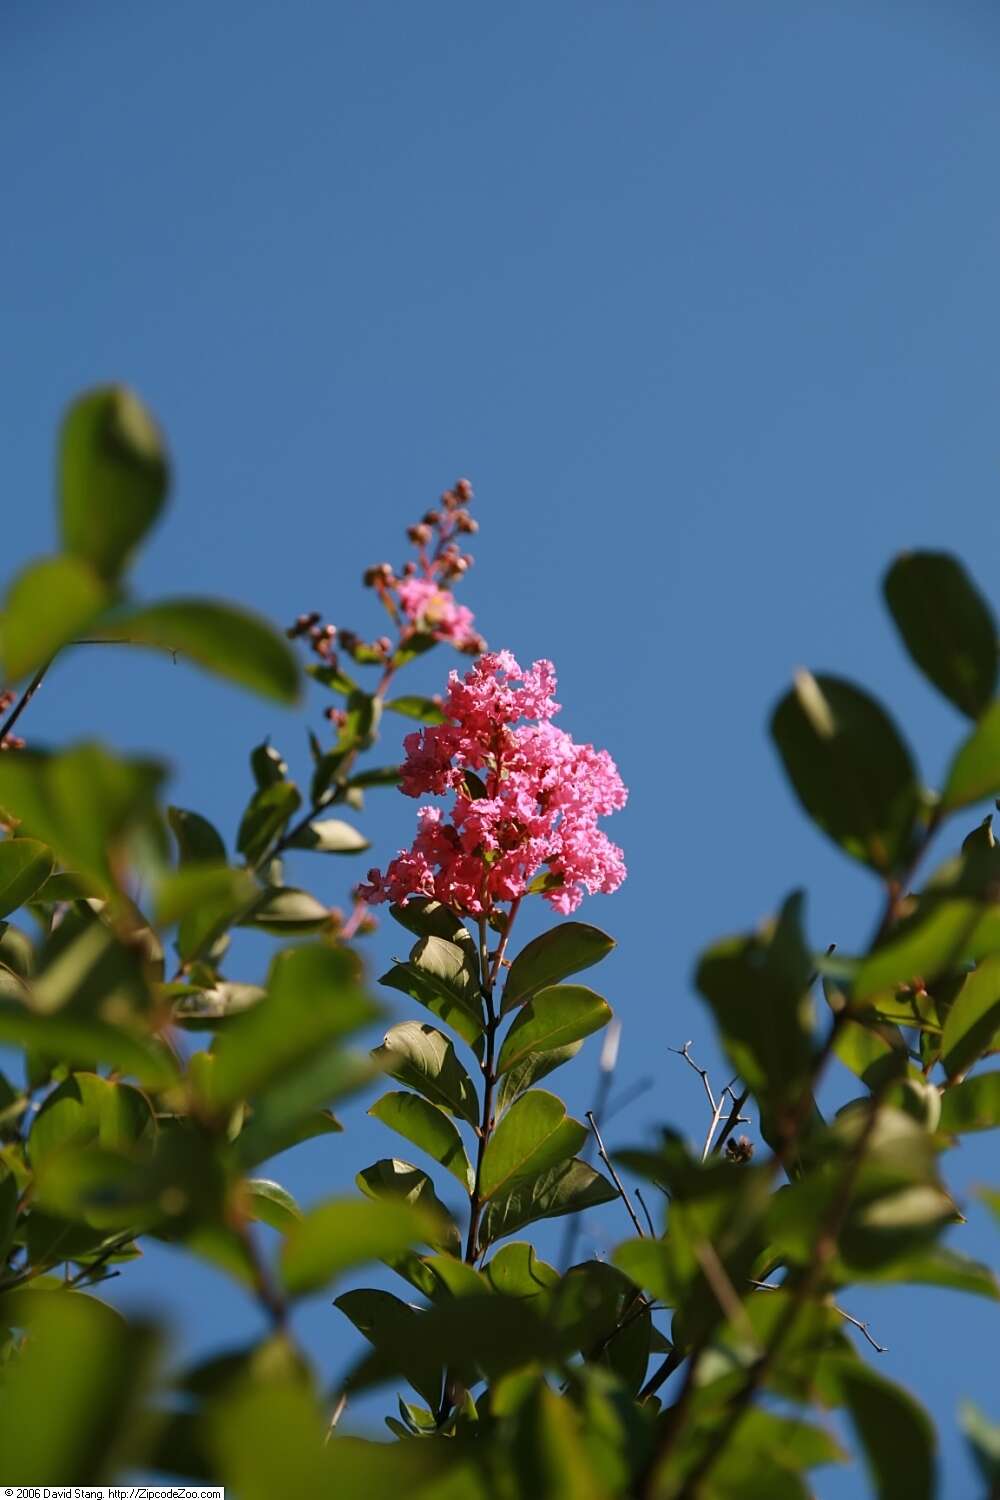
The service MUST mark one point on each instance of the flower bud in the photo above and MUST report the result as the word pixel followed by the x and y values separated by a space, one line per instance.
pixel 464 491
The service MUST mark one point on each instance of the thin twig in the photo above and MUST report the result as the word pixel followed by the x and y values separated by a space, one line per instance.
pixel 769 1286
pixel 608 1063
pixel 701 1072
pixel 649 1216
pixel 24 700
pixel 736 1117
pixel 605 1158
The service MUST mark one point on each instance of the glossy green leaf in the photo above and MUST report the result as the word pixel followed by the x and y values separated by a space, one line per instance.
pixel 113 477
pixel 554 1018
pixel 412 706
pixel 849 767
pixel 231 642
pixel 424 1059
pixel 566 1189
pixel 268 765
pixel 267 815
pixel 344 1233
pixel 197 839
pixel 313 998
pixel 73 1398
pixel 443 976
pixel 946 626
pixel 428 1127
pixel 394 1329
pixel 973 1104
pixel 973 1018
pixel 329 836
pixel 84 803
pixel 47 605
pixel 396 1181
pixel 895 1432
pixel 25 865
pixel 272 1204
pixel 553 956
pixel 196 887
pixel 427 918
pixel 975 771
pixel 535 1134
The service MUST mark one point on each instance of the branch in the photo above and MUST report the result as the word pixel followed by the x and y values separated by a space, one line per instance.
pixel 605 1158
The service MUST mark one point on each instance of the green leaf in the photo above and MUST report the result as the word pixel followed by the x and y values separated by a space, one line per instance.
pixel 344 1233
pixel 983 1437
pixel 516 1271
pixel 377 776
pixel 554 1018
pixel 84 1038
pixel 396 1181
pixel 973 1018
pixel 895 1432
pixel 231 642
pixel 313 999
pixel 88 1110
pixel 938 1266
pixel 549 1450
pixel 442 975
pixel 113 477
pixel 265 1437
pixel 529 1070
pixel 535 1134
pixel 427 918
pixel 946 625
pixel 758 989
pixel 929 947
pixel 292 1108
pixel 268 765
pixel 424 1059
pixel 975 771
pixel 46 606
pixel 73 1397
pixel 84 803
pixel 25 865
pixel 552 956
pixel 412 706
pixel 286 912
pixel 272 1204
pixel 197 840
pixel 267 815
pixel 850 768
pixel 566 1189
pixel 394 1328
pixel 971 1105
pixel 196 887
pixel 428 1127
pixel 330 836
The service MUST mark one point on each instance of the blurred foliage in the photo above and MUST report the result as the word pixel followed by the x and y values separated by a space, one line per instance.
pixel 157 1082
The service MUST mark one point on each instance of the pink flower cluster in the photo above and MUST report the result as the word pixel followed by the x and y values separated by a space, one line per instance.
pixel 531 802
pixel 432 610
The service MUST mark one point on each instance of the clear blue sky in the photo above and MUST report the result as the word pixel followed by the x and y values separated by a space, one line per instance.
pixel 703 297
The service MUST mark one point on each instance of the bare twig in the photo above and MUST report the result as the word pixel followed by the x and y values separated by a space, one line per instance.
pixel 769 1286
pixel 649 1216
pixel 608 1063
pixel 24 700
pixel 605 1158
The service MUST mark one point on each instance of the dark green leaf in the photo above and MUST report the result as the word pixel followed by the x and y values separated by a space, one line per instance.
pixel 428 1127
pixel 268 813
pixel 552 956
pixel 113 477
pixel 946 626
pixel 973 1018
pixel 25 865
pixel 975 771
pixel 895 1432
pixel 196 838
pixel 929 947
pixel 535 1134
pixel 394 1328
pixel 849 767
pixel 758 989
pixel 566 1189
pixel 89 1110
pixel 443 976
pixel 345 1233
pixel 424 1059
pixel 393 1180
pixel 287 912
pixel 553 1019
pixel 230 642
pixel 971 1105
pixel 86 1039
pixel 46 606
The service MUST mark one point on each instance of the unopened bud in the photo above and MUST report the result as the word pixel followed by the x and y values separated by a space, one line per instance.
pixel 420 534
pixel 739 1151
pixel 464 491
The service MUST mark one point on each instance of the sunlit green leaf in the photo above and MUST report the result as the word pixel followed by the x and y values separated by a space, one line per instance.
pixel 535 1134
pixel 47 605
pixel 428 1127
pixel 554 1018
pixel 567 1188
pixel 983 1437
pixel 973 1018
pixel 273 1204
pixel 412 706
pixel 553 956
pixel 424 1059
pixel 975 771
pixel 329 836
pixel 344 1233
pixel 973 1104
pixel 25 865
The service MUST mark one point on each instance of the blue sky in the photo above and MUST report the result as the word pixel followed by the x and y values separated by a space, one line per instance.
pixel 703 299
